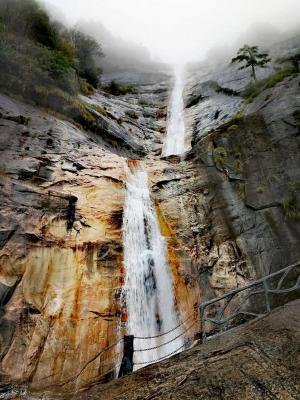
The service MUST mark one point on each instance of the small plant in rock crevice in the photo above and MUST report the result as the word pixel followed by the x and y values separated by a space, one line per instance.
pixel 259 190
pixel 232 128
pixel 290 207
pixel 240 187
pixel 238 166
pixel 99 109
pixel 220 156
pixel 238 116
pixel 132 114
pixel 2 170
pixel 143 103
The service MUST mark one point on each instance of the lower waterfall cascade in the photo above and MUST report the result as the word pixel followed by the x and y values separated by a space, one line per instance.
pixel 148 294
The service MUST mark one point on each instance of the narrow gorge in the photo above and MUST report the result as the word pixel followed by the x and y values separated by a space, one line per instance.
pixel 179 192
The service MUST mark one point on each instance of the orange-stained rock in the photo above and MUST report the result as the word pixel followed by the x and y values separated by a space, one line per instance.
pixel 61 247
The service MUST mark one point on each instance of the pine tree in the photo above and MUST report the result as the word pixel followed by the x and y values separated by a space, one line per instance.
pixel 252 58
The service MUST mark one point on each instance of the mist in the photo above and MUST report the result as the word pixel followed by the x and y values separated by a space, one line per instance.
pixel 119 53
pixel 179 31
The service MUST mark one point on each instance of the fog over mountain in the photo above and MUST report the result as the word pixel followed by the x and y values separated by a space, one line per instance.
pixel 119 53
pixel 177 31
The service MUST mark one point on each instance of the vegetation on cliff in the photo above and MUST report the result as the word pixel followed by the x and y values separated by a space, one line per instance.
pixel 44 63
pixel 253 90
pixel 252 57
pixel 117 89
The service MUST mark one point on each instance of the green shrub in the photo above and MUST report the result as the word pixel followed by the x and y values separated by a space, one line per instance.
pixel 238 116
pixel 232 128
pixel 120 120
pixel 238 166
pixel 294 59
pixel 143 103
pixel 2 169
pixel 124 89
pixel 99 109
pixel 240 187
pixel 278 77
pixel 88 51
pixel 41 62
pixel 253 90
pixel 42 30
pixel 220 155
pixel 260 189
pixel 132 114
pixel 291 210
pixel 57 66
pixel 116 89
pixel 86 88
pixel 64 104
pixel 82 116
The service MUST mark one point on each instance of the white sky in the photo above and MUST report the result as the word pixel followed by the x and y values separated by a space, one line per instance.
pixel 181 30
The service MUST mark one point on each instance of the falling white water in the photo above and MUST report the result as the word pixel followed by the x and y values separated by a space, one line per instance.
pixel 174 143
pixel 148 290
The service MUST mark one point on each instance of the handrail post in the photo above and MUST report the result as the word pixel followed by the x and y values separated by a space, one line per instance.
pixel 267 296
pixel 127 360
pixel 202 322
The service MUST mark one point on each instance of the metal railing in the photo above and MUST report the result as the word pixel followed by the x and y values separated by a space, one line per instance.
pixel 128 363
pixel 249 302
pixel 218 315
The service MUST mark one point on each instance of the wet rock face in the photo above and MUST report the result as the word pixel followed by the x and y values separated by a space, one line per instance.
pixel 208 105
pixel 61 250
pixel 253 165
pixel 196 228
pixel 228 211
pixel 248 155
pixel 136 121
pixel 61 260
pixel 212 91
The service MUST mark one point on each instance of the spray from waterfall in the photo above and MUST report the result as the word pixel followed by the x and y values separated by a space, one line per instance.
pixel 174 143
pixel 148 290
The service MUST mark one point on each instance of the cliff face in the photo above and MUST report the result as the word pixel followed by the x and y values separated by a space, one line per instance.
pixel 228 211
pixel 62 193
pixel 251 160
pixel 62 199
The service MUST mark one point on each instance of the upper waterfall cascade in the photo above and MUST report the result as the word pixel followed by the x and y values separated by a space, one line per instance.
pixel 148 290
pixel 174 143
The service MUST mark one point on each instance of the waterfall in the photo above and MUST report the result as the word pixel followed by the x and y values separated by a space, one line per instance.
pixel 174 143
pixel 148 290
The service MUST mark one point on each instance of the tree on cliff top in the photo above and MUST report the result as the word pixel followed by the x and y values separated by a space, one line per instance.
pixel 252 58
pixel 88 52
